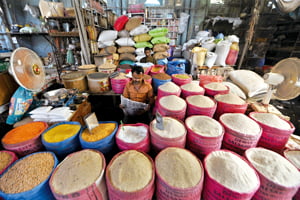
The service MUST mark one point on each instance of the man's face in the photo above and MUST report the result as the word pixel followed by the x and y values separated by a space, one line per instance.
pixel 147 52
pixel 137 78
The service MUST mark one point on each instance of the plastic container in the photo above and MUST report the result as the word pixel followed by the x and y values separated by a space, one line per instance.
pixel 40 192
pixel 181 81
pixel 223 107
pixel 158 142
pixel 75 80
pixel 161 93
pixel 118 85
pixel 205 79
pixel 178 114
pixel 29 146
pixel 142 145
pixel 96 190
pixel 106 70
pixel 13 158
pixel 104 145
pixel 233 54
pixel 197 110
pixel 213 190
pixel 269 189
pixel 87 69
pixel 200 144
pixel 212 93
pixel 142 194
pixel 98 82
pixel 165 191
pixel 273 138
pixel 238 141
pixel 65 147
pixel 156 69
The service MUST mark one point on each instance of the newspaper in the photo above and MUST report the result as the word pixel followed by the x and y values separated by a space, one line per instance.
pixel 132 107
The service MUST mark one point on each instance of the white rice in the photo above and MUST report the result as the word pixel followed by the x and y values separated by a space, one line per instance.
pixel 173 102
pixel 200 101
pixel 230 98
pixel 272 120
pixel 205 126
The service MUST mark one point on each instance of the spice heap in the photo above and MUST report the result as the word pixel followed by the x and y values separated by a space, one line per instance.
pixel 61 132
pixel 182 76
pixel 161 76
pixel 27 173
pixel 101 131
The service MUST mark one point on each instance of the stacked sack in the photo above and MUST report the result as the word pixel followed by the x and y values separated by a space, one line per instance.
pixel 160 42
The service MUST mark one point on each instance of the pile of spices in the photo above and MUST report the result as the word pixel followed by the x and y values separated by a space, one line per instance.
pixel 99 132
pixel 61 132
pixel 161 76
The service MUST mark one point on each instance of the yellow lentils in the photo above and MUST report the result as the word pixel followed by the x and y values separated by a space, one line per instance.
pixel 99 132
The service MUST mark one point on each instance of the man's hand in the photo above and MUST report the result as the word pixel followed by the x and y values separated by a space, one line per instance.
pixel 147 107
pixel 121 106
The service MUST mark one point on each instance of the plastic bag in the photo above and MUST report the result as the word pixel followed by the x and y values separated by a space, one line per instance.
pixel 139 30
pixel 183 21
pixel 143 45
pixel 142 38
pixel 33 10
pixel 176 67
pixel 222 51
pixel 160 40
pixel 19 104
pixel 158 32
pixel 51 9
pixel 125 42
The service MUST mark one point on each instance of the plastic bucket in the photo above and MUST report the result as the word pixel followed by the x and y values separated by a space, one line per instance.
pixel 162 93
pixel 155 69
pixel 157 82
pixel 104 145
pixel 213 190
pixel 165 191
pixel 197 110
pixel 75 80
pixel 179 114
pixel 142 194
pixel 106 70
pixel 269 189
pixel 238 141
pixel 87 69
pixel 159 143
pixel 12 158
pixel 186 93
pixel 118 85
pixel 181 81
pixel 205 79
pixel 142 145
pixel 212 93
pixel 273 138
pixel 98 82
pixel 96 190
pixel 29 146
pixel 202 145
pixel 65 147
pixel 223 107
pixel 40 192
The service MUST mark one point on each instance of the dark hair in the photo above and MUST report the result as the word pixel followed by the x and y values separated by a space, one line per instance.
pixel 137 69
pixel 147 48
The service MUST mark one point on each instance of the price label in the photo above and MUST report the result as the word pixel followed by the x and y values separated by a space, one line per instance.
pixel 159 121
pixel 91 121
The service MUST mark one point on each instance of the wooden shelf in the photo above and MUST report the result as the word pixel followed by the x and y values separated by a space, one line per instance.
pixel 18 33
pixel 62 18
pixel 64 34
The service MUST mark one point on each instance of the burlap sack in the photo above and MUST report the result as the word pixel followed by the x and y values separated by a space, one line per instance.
pixel 160 47
pixel 160 55
pixel 133 23
pixel 108 50
pixel 126 49
pixel 127 56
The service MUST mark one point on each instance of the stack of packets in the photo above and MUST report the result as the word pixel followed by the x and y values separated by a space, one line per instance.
pixel 50 114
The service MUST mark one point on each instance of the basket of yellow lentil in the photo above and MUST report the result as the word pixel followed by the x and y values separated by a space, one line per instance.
pixel 62 138
pixel 101 138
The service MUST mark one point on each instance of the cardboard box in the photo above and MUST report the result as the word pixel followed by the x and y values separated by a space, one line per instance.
pixel 7 87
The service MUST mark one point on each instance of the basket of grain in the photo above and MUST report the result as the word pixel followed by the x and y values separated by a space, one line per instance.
pixel 214 88
pixel 229 103
pixel 62 138
pixel 228 176
pixel 160 79
pixel 148 78
pixel 156 69
pixel 276 131
pixel 133 136
pixel 25 139
pixel 87 69
pixel 181 79
pixel 7 158
pixel 79 176
pixel 200 105
pixel 28 178
pixel 241 132
pixel 204 135
pixel 130 175
pixel 279 178
pixel 119 82
pixel 101 138
pixel 168 88
pixel 173 134
pixel 172 106
pixel 179 173
pixel 190 89
pixel 205 79
pixel 75 80
pixel 98 82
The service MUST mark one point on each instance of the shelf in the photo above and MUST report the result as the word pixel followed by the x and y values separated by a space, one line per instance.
pixel 161 18
pixel 18 33
pixel 61 18
pixel 64 34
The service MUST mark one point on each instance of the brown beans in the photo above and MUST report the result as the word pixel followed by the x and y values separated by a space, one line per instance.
pixel 27 173
pixel 162 76
pixel 5 159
